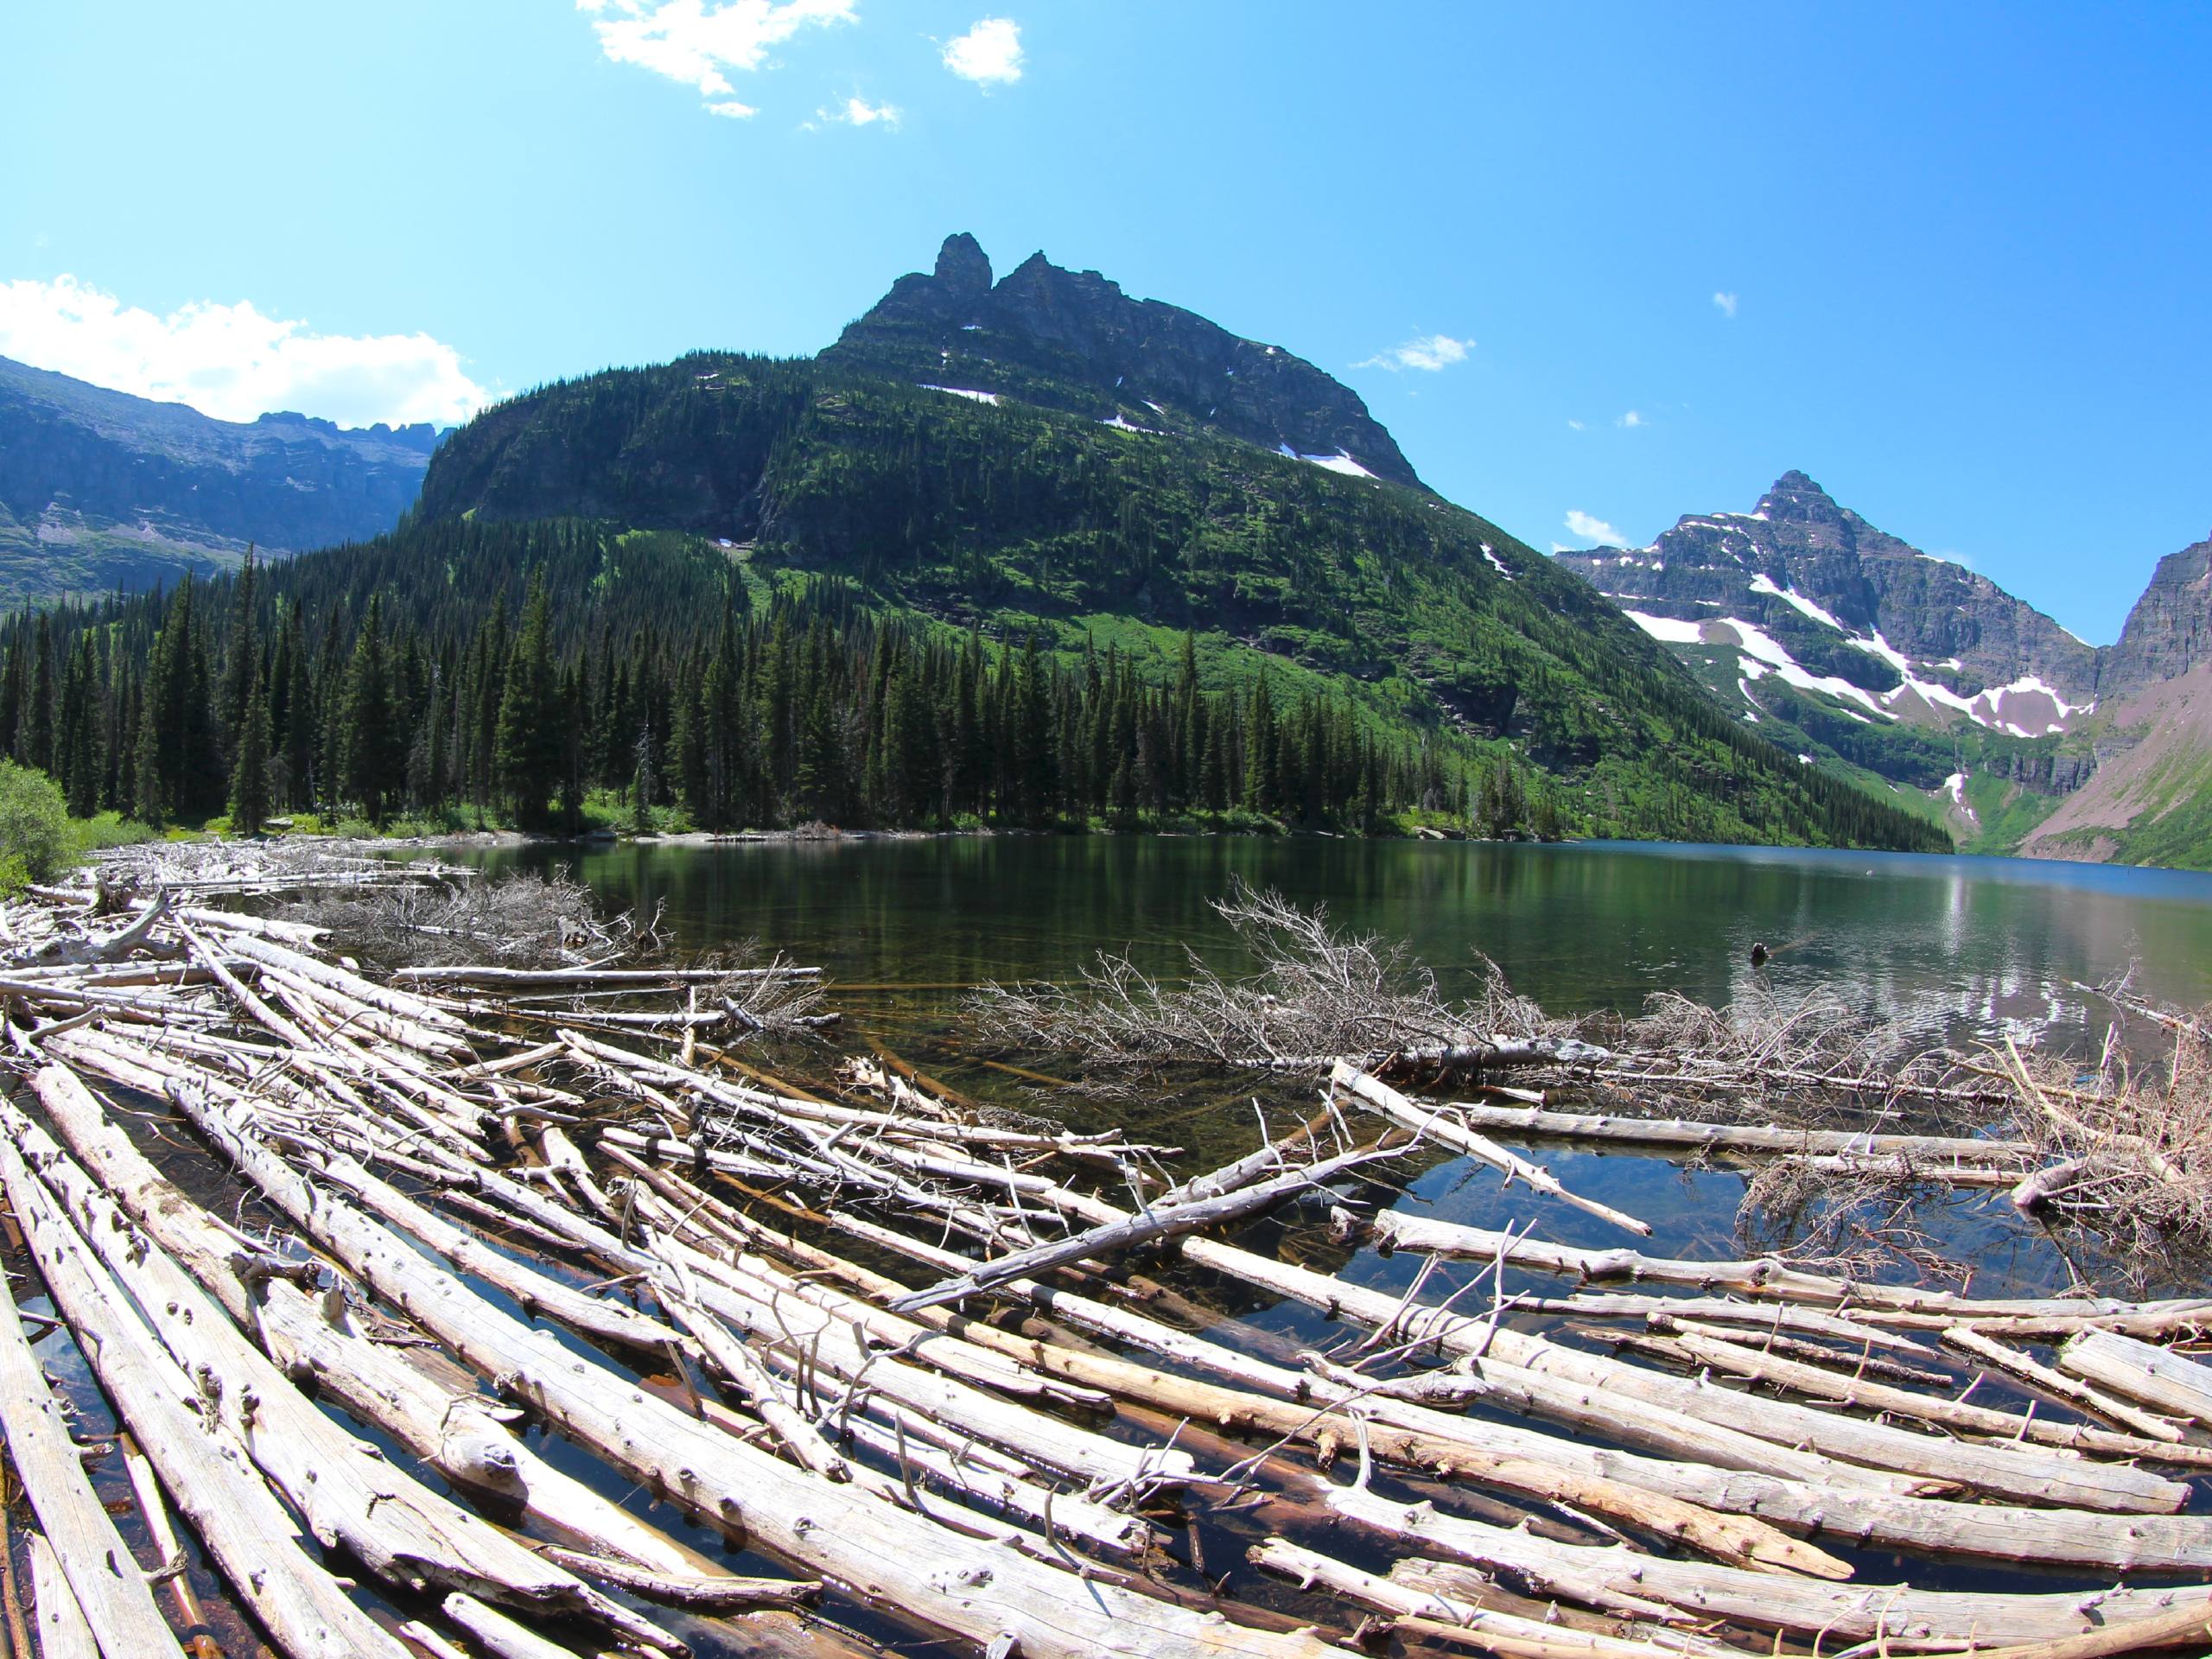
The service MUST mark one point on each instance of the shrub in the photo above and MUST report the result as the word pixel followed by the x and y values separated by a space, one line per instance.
pixel 34 821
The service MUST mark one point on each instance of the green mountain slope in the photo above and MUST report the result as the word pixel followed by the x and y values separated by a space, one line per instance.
pixel 1441 626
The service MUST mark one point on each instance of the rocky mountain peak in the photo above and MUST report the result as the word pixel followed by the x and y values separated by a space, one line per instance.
pixel 1072 340
pixel 1795 499
pixel 962 267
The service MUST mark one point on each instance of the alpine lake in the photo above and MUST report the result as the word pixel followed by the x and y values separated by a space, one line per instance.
pixel 1961 948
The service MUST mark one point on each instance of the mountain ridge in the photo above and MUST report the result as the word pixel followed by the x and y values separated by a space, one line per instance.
pixel 100 489
pixel 1053 337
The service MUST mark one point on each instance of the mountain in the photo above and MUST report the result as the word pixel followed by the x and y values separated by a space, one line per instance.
pixel 1812 592
pixel 99 489
pixel 1072 340
pixel 1915 674
pixel 1042 456
pixel 2150 798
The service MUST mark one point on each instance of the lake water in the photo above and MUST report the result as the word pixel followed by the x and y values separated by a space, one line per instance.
pixel 1990 941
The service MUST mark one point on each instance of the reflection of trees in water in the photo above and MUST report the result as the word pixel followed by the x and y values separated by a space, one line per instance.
pixel 1959 949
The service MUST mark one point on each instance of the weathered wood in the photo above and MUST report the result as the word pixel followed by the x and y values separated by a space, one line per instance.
pixel 1444 1129
pixel 2160 1378
pixel 206 1471
pixel 1161 1220
pixel 63 1630
pixel 1777 1140
pixel 104 1583
pixel 1512 1634
pixel 906 1565
pixel 2031 1370
pixel 488 975
pixel 1642 1586
pixel 1696 1348
pixel 350 1496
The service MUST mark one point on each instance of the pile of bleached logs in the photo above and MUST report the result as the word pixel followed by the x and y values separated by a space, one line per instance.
pixel 763 1308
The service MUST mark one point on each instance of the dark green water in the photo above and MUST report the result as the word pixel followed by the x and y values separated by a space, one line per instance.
pixel 1988 941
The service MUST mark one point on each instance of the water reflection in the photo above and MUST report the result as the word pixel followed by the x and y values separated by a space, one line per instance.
pixel 1975 945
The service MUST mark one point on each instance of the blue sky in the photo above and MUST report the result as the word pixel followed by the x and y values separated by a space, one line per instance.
pixel 1964 247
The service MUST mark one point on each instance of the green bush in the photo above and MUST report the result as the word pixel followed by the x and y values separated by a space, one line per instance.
pixel 34 822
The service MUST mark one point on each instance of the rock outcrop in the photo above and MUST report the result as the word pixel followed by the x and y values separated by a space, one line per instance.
pixel 1071 339
pixel 2168 633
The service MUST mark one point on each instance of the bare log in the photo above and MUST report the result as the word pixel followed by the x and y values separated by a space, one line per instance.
pixel 63 1630
pixel 2165 1381
pixel 203 1468
pixel 1446 1130
pixel 906 1565
pixel 2079 1395
pixel 105 1589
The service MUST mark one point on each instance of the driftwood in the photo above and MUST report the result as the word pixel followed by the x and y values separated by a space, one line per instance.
pixel 1778 1141
pixel 105 1590
pixel 2165 1381
pixel 63 1630
pixel 1162 1221
pixel 204 1469
pixel 2057 1384
pixel 906 1565
pixel 1445 1130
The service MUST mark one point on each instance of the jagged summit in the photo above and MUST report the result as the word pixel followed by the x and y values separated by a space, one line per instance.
pixel 1841 606
pixel 1073 340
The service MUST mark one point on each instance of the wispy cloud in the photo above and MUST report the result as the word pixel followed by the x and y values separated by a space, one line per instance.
pixel 855 113
pixel 1426 352
pixel 989 54
pixel 699 45
pixel 733 110
pixel 1590 528
pixel 231 361
pixel 1631 419
pixel 1725 303
pixel 1573 425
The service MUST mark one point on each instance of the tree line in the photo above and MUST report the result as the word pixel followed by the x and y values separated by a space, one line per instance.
pixel 227 699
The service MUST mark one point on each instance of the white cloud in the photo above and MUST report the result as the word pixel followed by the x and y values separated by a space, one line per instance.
pixel 1631 419
pixel 694 43
pixel 989 52
pixel 1726 302
pixel 231 361
pixel 1573 425
pixel 1426 352
pixel 855 113
pixel 1590 529
pixel 732 109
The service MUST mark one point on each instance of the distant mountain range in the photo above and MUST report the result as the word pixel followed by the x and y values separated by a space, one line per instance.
pixel 1882 660
pixel 100 490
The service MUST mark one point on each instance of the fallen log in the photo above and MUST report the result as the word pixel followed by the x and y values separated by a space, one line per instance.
pixel 2028 1369
pixel 1692 1348
pixel 105 1590
pixel 1161 1220
pixel 2161 1379
pixel 247 1531
pixel 350 1496
pixel 1774 1140
pixel 1445 1130
pixel 63 1630
pixel 906 1565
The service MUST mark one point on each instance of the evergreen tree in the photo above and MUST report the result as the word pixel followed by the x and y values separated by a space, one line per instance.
pixel 250 791
pixel 371 768
pixel 529 736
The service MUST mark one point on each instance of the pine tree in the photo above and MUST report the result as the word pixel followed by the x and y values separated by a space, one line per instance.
pixel 249 793
pixel 529 737
pixel 369 738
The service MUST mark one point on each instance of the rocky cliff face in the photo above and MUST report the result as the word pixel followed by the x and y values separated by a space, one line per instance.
pixel 1924 639
pixel 1072 340
pixel 2170 631
pixel 97 487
